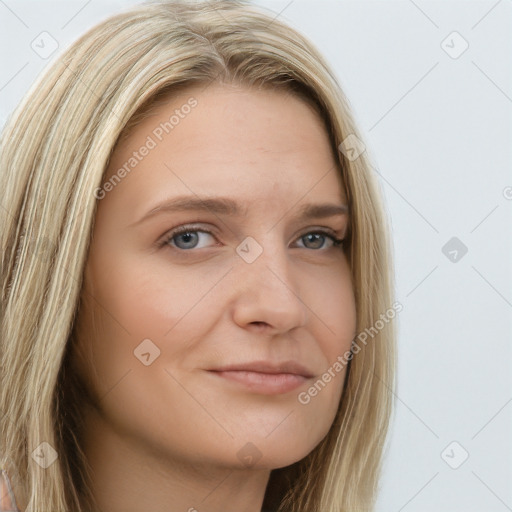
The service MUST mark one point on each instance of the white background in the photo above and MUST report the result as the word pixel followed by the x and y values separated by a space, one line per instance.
pixel 439 130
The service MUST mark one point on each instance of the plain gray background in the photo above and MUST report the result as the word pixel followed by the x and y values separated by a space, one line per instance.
pixel 437 123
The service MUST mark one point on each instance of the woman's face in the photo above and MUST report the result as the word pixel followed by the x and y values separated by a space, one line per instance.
pixel 203 340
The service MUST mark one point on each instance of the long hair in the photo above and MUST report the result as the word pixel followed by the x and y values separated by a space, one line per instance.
pixel 54 151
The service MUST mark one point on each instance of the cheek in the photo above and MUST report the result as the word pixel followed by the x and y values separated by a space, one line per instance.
pixel 133 302
pixel 333 311
pixel 336 329
pixel 340 313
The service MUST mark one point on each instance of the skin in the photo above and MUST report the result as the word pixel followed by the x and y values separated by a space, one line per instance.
pixel 167 436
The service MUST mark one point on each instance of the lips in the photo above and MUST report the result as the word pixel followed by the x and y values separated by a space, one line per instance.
pixel 265 377
pixel 269 367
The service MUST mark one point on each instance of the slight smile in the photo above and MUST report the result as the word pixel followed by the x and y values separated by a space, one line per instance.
pixel 266 378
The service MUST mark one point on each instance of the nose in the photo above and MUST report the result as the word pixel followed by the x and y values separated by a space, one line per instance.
pixel 267 295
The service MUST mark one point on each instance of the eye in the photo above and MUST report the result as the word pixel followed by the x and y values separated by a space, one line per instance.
pixel 316 239
pixel 186 237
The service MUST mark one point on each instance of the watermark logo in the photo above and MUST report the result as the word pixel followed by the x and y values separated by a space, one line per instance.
pixel 454 249
pixel 352 147
pixel 45 455
pixel 146 352
pixel 249 250
pixel 249 454
pixel 151 142
pixel 304 397
pixel 454 45
pixel 454 455
pixel 44 45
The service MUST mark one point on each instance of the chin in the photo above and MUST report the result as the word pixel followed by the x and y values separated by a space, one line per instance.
pixel 274 451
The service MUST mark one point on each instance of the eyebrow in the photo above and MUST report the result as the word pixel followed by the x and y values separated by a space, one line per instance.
pixel 227 206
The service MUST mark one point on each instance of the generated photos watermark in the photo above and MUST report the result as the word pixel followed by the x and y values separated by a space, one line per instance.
pixel 304 397
pixel 151 142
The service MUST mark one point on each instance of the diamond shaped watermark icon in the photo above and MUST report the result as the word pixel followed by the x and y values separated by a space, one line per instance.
pixel 45 455
pixel 44 45
pixel 454 455
pixel 146 352
pixel 454 249
pixel 454 45
pixel 352 147
pixel 249 250
pixel 249 454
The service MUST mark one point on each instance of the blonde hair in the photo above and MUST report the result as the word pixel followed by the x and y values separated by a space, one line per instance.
pixel 54 151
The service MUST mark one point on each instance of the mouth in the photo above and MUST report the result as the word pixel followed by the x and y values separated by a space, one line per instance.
pixel 264 377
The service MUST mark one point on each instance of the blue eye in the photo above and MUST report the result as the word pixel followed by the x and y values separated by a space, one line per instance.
pixel 318 238
pixel 188 237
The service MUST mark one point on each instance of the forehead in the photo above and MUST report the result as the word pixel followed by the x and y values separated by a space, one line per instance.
pixel 219 136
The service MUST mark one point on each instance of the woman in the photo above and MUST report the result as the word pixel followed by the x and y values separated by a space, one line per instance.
pixel 193 249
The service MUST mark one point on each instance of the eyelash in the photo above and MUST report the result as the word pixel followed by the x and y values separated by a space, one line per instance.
pixel 337 242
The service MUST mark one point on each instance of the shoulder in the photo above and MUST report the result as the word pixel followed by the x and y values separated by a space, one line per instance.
pixel 7 501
